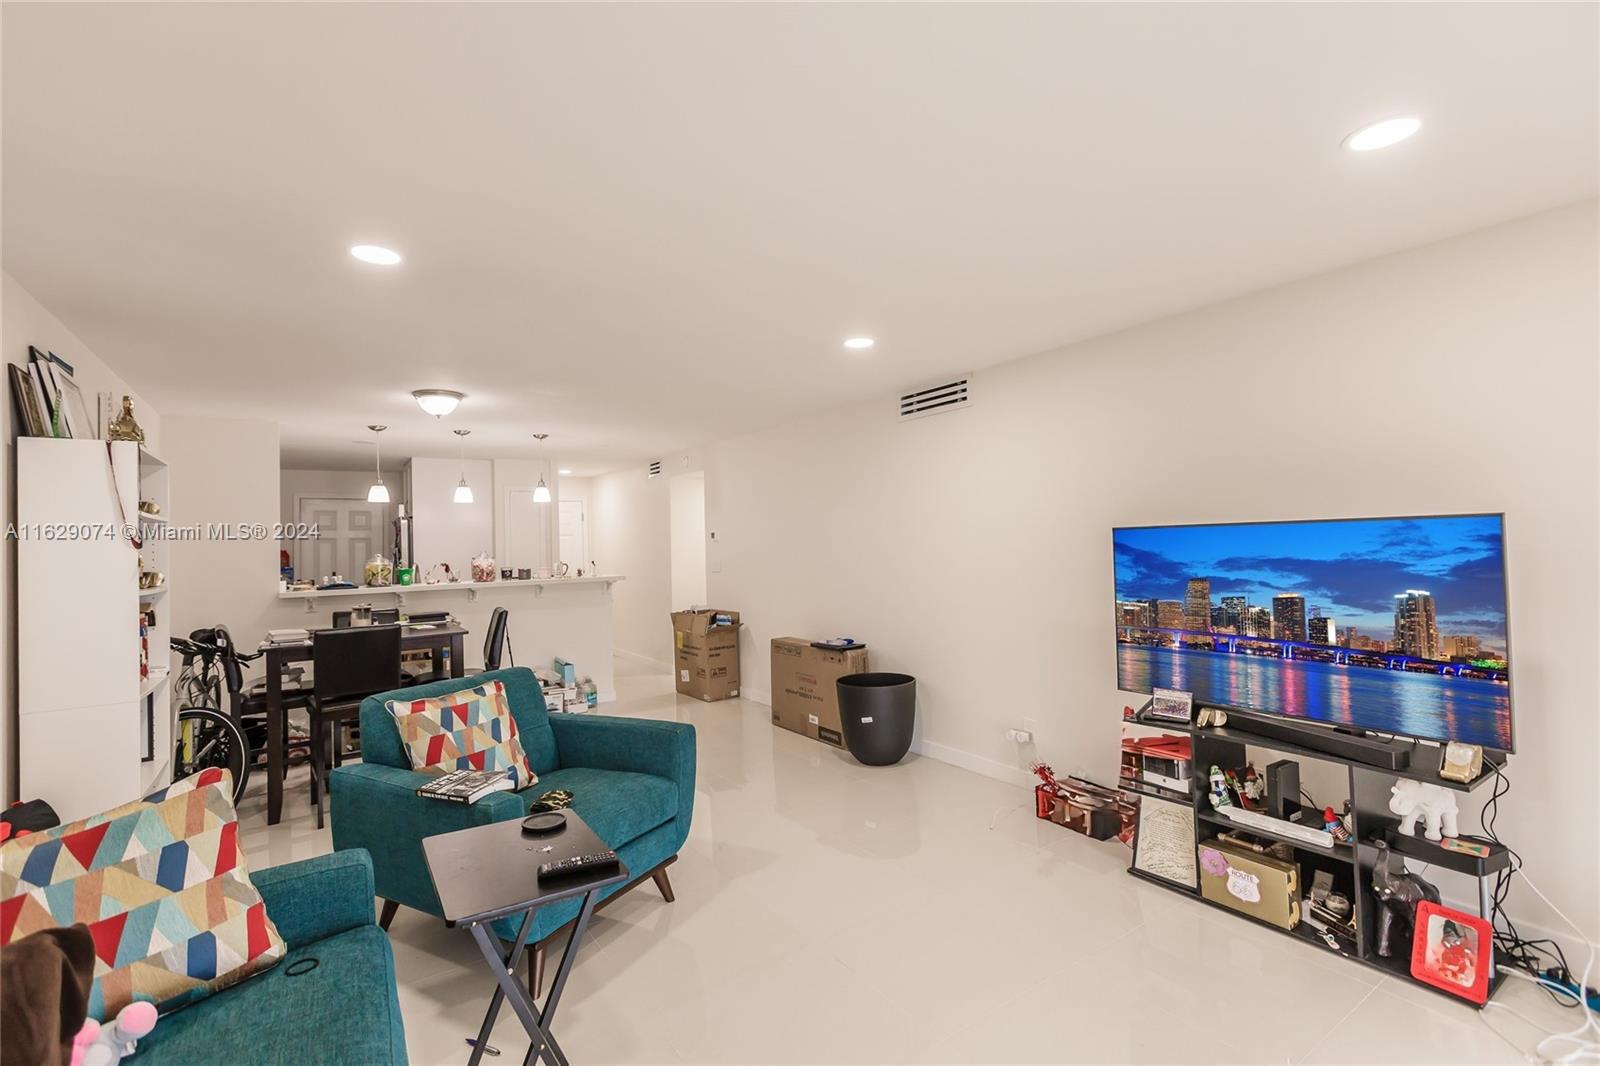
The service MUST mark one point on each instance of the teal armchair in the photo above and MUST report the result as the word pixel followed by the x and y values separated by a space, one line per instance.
pixel 345 1009
pixel 632 781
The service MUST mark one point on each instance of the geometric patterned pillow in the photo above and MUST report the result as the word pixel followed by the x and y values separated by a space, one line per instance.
pixel 471 729
pixel 161 884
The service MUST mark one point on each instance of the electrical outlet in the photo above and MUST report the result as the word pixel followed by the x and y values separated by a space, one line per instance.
pixel 1030 725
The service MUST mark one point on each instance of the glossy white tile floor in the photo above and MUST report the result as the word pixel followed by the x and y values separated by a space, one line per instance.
pixel 833 913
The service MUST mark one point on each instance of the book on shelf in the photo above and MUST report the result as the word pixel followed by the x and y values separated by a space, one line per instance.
pixel 468 786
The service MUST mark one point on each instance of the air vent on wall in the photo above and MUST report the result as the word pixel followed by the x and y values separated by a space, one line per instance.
pixel 935 399
pixel 655 468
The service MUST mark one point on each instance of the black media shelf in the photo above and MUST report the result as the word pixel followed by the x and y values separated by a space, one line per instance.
pixel 1435 854
pixel 1339 852
pixel 1352 864
pixel 1425 758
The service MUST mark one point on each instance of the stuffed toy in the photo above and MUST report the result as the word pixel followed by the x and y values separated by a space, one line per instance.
pixel 107 1045
pixel 44 995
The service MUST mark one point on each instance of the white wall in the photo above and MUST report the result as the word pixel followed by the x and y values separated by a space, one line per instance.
pixel 24 321
pixel 630 534
pixel 687 494
pixel 974 549
pixel 223 470
pixel 446 531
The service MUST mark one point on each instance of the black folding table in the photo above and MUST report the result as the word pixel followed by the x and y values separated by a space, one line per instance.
pixel 490 872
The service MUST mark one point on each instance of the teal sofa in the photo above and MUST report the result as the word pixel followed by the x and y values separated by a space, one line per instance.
pixel 345 1010
pixel 632 781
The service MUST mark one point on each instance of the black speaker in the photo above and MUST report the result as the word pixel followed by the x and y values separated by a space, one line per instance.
pixel 1283 788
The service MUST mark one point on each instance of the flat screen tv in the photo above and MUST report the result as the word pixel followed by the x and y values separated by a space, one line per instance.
pixel 1384 625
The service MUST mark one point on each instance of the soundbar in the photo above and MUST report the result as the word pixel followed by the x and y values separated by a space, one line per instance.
pixel 1369 751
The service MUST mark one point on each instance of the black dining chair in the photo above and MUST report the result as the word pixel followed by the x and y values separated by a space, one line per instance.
pixel 348 665
pixel 252 698
pixel 497 641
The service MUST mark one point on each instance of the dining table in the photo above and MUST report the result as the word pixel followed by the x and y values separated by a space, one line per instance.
pixel 445 641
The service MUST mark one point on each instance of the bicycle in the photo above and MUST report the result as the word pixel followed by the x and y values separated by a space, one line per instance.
pixel 207 735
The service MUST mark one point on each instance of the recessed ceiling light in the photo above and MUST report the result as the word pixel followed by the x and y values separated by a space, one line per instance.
pixel 437 402
pixel 372 253
pixel 859 343
pixel 1383 134
pixel 563 470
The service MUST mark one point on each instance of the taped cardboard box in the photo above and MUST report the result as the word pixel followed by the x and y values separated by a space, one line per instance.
pixel 805 692
pixel 706 655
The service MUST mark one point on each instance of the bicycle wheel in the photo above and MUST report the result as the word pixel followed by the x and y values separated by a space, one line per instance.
pixel 208 738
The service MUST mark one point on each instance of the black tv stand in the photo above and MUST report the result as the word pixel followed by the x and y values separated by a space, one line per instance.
pixel 1336 743
pixel 1368 789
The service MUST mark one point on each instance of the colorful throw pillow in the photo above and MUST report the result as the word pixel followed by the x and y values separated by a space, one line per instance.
pixel 467 730
pixel 161 884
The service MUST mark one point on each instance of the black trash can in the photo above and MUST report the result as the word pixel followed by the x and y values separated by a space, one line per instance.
pixel 877 712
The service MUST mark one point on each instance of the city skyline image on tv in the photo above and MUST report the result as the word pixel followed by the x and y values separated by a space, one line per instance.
pixel 1393 625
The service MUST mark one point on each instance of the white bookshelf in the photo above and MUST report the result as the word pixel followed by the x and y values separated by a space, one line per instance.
pixel 82 723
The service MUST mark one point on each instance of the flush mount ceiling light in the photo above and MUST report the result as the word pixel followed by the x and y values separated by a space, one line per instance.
pixel 376 255
pixel 1390 131
pixel 463 490
pixel 379 492
pixel 437 402
pixel 564 472
pixel 541 491
pixel 859 344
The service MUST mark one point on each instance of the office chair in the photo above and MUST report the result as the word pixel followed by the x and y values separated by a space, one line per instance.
pixel 496 640
pixel 348 665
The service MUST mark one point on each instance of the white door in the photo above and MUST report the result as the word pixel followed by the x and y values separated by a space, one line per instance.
pixel 574 536
pixel 349 532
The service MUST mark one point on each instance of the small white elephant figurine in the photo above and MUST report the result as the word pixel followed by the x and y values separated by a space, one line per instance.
pixel 1434 804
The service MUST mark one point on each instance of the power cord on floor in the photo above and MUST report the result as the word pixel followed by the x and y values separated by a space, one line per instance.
pixel 1584 1041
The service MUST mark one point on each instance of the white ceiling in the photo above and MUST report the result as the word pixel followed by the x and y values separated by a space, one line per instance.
pixel 642 227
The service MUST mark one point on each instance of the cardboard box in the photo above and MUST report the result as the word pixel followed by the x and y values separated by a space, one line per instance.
pixel 805 694
pixel 705 655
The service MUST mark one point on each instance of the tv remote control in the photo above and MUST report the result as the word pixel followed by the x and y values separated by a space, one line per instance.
pixel 579 864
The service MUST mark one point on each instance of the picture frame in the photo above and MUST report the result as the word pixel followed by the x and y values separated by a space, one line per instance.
pixel 30 420
pixel 1164 842
pixel 1172 705
pixel 1453 951
pixel 74 412
pixel 43 388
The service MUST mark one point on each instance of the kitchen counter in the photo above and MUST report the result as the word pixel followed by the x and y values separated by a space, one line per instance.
pixel 471 588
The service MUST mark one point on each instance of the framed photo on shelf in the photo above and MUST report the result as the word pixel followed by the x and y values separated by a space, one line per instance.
pixel 1171 705
pixel 1452 950
pixel 30 419
pixel 74 412
pixel 1164 842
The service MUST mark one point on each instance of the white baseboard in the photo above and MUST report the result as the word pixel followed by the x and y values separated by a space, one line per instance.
pixel 1011 775
pixel 643 659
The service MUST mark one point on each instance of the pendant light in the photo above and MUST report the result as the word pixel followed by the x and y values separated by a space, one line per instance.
pixel 463 490
pixel 541 491
pixel 379 492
